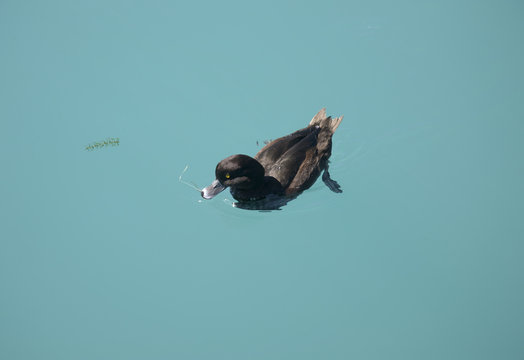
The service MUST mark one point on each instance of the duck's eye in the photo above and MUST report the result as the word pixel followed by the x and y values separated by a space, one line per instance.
pixel 228 176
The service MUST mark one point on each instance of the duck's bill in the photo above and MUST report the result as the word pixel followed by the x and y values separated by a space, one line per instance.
pixel 212 190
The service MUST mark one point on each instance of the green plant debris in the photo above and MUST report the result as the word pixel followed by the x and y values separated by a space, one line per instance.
pixel 102 144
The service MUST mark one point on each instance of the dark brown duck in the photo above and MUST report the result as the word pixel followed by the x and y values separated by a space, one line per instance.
pixel 282 169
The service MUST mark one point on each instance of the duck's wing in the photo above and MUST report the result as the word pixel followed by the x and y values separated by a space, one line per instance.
pixel 296 160
pixel 301 160
pixel 316 158
pixel 274 151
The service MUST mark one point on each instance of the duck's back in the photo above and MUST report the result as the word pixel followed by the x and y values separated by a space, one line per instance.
pixel 296 160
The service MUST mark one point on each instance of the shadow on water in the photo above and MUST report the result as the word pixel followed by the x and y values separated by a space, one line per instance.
pixel 270 203
pixel 311 200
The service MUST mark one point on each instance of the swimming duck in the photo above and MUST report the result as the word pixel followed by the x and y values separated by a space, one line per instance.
pixel 282 169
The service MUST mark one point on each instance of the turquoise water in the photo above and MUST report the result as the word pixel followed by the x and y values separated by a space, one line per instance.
pixel 105 255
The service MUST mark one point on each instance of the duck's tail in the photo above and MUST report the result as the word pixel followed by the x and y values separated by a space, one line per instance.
pixel 324 121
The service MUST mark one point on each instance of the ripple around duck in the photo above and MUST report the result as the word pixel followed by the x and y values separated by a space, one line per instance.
pixel 346 151
pixel 309 201
pixel 349 151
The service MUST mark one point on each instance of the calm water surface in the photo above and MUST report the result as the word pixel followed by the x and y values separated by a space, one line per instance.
pixel 105 255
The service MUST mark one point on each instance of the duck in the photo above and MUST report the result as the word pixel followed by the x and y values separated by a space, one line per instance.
pixel 281 170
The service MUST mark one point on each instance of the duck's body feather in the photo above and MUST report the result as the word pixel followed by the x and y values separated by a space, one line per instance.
pixel 291 164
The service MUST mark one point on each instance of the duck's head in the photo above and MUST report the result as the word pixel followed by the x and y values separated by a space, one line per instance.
pixel 239 172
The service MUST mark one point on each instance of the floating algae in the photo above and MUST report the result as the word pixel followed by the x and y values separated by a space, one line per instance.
pixel 104 143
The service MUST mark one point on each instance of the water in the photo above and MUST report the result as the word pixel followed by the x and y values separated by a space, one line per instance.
pixel 105 255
